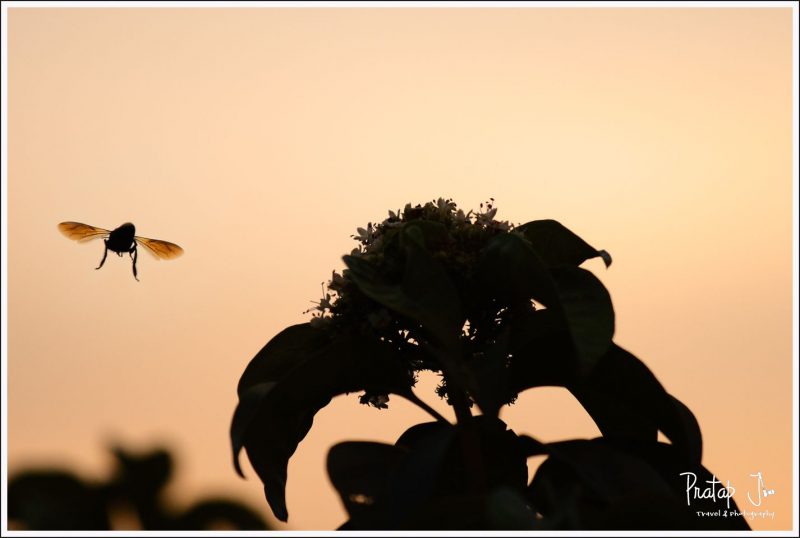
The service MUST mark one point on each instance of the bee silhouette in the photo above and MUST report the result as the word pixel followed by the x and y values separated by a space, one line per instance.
pixel 120 240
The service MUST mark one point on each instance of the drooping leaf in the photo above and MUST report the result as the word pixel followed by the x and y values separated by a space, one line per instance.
pixel 606 472
pixel 616 484
pixel 276 428
pixel 280 354
pixel 557 245
pixel 679 424
pixel 622 395
pixel 670 462
pixel 586 306
pixel 277 408
pixel 626 401
pixel 249 404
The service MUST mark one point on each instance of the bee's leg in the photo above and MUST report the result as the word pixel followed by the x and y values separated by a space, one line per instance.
pixel 105 253
pixel 135 255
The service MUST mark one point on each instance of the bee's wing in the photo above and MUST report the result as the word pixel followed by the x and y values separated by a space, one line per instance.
pixel 160 249
pixel 81 232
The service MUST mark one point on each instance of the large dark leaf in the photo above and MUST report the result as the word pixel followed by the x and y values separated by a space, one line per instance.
pixel 627 401
pixel 280 355
pixel 439 457
pixel 425 482
pixel 507 509
pixel 623 397
pixel 361 472
pixel 621 485
pixel 559 246
pixel 606 472
pixel 542 351
pixel 397 479
pixel 586 306
pixel 276 408
pixel 497 503
pixel 425 292
pixel 417 479
pixel 511 270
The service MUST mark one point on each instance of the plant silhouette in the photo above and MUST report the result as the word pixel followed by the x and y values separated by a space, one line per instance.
pixel 495 309
pixel 56 499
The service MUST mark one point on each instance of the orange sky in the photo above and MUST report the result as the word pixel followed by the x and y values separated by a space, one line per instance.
pixel 259 139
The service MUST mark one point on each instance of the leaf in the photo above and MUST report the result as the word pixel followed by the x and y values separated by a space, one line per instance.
pixel 437 453
pixel 670 462
pixel 278 405
pixel 557 245
pixel 626 401
pixel 542 351
pixel 249 404
pixel 400 480
pixel 679 424
pixel 360 472
pixel 455 512
pixel 510 270
pixel 622 395
pixel 276 427
pixel 506 509
pixel 422 482
pixel 586 306
pixel 614 484
pixel 418 473
pixel 606 472
pixel 425 293
pixel 280 354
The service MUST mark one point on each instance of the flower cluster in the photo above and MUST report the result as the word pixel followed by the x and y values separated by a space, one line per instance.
pixel 344 306
pixel 370 240
pixel 441 210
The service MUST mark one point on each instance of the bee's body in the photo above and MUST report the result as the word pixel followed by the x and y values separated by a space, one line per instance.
pixel 120 240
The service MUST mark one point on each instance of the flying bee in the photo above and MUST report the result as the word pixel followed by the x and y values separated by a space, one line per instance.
pixel 120 240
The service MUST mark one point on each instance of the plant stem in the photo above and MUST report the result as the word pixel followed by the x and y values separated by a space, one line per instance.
pixel 470 440
pixel 413 398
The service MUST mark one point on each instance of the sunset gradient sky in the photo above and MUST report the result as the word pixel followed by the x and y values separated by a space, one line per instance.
pixel 259 139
